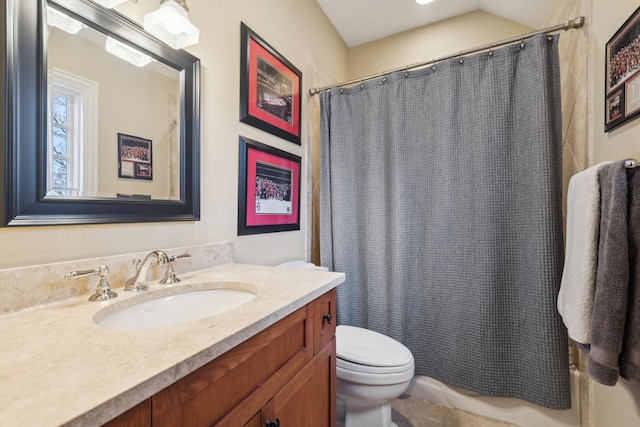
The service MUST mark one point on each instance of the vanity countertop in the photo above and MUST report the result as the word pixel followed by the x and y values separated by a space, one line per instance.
pixel 59 368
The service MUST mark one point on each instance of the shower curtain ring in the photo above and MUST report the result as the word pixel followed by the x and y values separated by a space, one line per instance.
pixel 490 49
pixel 461 60
pixel 549 36
pixel 406 71
pixel 521 42
pixel 361 83
pixel 433 66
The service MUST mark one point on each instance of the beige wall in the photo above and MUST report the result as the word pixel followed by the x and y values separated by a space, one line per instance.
pixel 432 41
pixel 299 30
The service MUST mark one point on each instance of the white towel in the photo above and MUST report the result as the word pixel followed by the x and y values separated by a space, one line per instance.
pixel 577 289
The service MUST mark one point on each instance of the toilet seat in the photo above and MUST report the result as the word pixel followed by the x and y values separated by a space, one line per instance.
pixel 371 349
pixel 365 369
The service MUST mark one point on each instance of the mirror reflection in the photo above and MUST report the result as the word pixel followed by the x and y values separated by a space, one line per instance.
pixel 113 117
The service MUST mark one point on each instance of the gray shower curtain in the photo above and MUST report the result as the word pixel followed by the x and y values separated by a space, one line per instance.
pixel 441 201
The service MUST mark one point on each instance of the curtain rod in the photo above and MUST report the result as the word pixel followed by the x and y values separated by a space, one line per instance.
pixel 567 25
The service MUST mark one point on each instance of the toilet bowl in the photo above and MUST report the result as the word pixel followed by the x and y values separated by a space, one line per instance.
pixel 372 370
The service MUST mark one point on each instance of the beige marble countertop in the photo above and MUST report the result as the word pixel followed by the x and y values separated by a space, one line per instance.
pixel 59 368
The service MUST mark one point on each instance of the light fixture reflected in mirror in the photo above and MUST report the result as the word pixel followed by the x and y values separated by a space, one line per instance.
pixel 63 21
pixel 127 53
pixel 423 2
pixel 171 24
pixel 110 3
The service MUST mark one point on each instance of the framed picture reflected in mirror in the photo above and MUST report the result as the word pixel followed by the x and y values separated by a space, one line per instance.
pixel 134 157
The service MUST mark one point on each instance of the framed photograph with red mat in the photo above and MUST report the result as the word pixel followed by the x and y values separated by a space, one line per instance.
pixel 270 88
pixel 622 82
pixel 268 189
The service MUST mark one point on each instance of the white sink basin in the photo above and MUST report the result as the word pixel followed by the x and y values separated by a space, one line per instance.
pixel 186 305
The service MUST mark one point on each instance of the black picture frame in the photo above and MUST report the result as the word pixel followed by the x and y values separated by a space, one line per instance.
pixel 268 189
pixel 135 157
pixel 23 99
pixel 622 74
pixel 270 88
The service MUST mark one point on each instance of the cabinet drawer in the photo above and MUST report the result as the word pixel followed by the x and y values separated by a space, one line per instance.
pixel 323 319
pixel 204 396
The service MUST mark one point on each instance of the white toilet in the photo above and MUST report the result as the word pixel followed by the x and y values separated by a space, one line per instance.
pixel 372 370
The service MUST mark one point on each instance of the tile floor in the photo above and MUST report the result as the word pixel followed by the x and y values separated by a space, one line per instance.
pixel 411 412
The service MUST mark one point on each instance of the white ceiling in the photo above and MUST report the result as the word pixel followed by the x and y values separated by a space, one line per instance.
pixel 362 21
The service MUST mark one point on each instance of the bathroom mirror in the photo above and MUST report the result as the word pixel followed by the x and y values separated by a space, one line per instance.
pixel 101 119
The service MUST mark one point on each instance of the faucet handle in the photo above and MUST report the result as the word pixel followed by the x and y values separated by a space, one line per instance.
pixel 171 277
pixel 177 257
pixel 103 291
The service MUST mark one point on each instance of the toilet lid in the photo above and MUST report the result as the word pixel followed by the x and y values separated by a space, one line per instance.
pixel 370 348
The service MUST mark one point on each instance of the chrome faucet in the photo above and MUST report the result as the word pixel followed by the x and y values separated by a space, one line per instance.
pixel 139 280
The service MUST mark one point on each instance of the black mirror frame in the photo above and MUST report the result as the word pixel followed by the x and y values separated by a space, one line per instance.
pixel 23 121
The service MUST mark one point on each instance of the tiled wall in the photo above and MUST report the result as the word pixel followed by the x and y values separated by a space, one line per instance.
pixel 317 75
pixel 27 287
pixel 574 66
pixel 576 114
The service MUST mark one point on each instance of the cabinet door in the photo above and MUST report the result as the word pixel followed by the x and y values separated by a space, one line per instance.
pixel 262 418
pixel 323 319
pixel 309 399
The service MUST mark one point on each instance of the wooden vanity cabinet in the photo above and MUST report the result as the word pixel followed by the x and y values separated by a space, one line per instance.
pixel 308 399
pixel 138 416
pixel 286 372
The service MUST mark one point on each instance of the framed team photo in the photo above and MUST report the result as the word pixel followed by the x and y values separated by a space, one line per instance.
pixel 134 157
pixel 270 88
pixel 622 74
pixel 268 189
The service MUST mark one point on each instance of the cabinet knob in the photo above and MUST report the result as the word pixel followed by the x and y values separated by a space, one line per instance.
pixel 328 317
pixel 274 423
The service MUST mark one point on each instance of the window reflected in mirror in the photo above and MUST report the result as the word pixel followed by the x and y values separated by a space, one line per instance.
pixel 98 88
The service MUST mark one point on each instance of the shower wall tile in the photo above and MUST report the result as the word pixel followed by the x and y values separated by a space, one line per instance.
pixel 569 94
pixel 577 134
pixel 569 168
pixel 315 76
pixel 576 137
